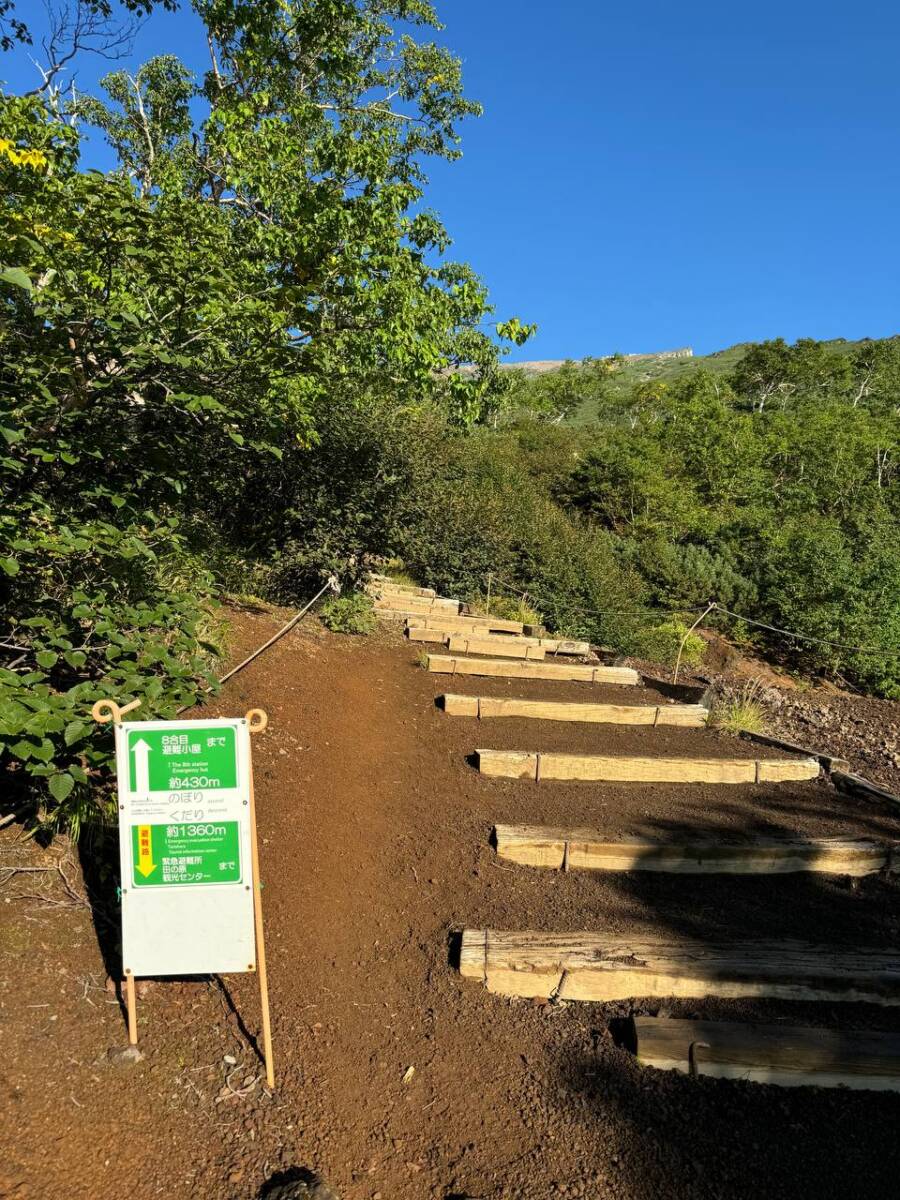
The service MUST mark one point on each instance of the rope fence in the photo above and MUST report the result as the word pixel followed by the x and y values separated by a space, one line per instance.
pixel 705 610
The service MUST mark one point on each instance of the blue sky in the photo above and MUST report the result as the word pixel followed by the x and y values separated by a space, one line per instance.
pixel 649 175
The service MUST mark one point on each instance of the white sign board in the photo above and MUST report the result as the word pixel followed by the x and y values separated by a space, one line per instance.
pixel 184 847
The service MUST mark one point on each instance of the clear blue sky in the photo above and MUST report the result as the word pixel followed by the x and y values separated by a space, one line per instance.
pixel 650 175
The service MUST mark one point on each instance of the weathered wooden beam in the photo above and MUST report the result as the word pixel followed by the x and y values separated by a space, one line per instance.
pixel 423 605
pixel 565 646
pixel 586 849
pixel 513 647
pixel 594 966
pixel 601 714
pixel 459 706
pixel 439 631
pixel 439 637
pixel 828 762
pixel 855 785
pixel 449 665
pixel 537 765
pixel 464 623
pixel 776 1054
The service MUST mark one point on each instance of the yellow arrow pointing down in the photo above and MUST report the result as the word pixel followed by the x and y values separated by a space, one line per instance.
pixel 145 863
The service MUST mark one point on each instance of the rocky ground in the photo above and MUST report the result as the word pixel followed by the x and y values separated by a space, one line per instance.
pixel 864 731
pixel 813 713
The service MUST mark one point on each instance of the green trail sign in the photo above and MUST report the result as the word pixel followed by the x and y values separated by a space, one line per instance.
pixel 184 845
pixel 165 760
pixel 199 852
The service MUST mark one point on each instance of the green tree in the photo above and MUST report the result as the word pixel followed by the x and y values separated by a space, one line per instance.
pixel 171 334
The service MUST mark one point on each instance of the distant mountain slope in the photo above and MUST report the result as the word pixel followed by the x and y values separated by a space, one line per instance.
pixel 542 365
pixel 665 365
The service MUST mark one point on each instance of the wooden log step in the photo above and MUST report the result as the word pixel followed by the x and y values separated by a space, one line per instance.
pixel 461 643
pixel 423 605
pixel 595 966
pixel 549 710
pixel 586 849
pixel 387 587
pixel 536 765
pixel 465 623
pixel 778 1054
pixel 586 673
pixel 496 643
pixel 855 785
pixel 565 646
pixel 828 762
pixel 415 634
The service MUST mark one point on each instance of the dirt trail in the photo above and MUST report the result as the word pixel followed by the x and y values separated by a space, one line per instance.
pixel 375 849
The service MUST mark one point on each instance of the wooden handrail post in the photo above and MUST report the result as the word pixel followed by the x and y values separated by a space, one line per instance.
pixel 103 712
pixel 257 721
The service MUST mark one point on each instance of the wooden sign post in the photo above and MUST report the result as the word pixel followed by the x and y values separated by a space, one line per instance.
pixel 188 852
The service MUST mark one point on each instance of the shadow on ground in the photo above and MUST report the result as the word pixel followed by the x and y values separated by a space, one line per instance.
pixel 703 1137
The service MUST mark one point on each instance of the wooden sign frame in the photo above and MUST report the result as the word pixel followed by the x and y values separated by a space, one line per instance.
pixel 105 711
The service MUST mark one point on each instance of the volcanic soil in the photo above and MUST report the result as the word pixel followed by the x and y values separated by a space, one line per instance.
pixel 396 1078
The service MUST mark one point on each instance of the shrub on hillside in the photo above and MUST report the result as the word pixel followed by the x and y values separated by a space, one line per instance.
pixel 661 643
pixel 840 587
pixel 507 607
pixel 740 710
pixel 349 614
pixel 481 513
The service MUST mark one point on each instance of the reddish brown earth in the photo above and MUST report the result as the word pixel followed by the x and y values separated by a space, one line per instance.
pixel 375 849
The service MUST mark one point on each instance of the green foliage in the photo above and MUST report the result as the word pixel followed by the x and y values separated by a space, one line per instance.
pixel 349 614
pixel 740 710
pixel 204 353
pixel 478 510
pixel 233 363
pixel 661 643
pixel 395 569
pixel 769 485
pixel 508 608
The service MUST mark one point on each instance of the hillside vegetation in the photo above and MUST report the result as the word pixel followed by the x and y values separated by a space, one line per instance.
pixel 623 373
pixel 230 365
pixel 767 484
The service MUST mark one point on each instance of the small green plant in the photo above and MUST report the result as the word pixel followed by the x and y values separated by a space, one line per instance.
pixel 349 614
pixel 661 644
pixel 422 659
pixel 509 608
pixel 741 711
pixel 397 573
pixel 248 602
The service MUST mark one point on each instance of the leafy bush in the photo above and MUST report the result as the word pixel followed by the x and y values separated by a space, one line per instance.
pixel 119 633
pixel 208 356
pixel 661 643
pixel 509 608
pixel 349 614
pixel 773 491
pixel 687 575
pixel 480 512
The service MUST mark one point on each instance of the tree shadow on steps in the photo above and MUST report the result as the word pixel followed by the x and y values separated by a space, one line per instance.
pixel 809 906
pixel 667 1134
pixel 679 1136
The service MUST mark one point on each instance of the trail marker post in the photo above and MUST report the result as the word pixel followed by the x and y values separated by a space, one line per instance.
pixel 188 852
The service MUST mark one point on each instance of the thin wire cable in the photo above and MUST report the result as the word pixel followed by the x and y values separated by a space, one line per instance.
pixel 331 584
pixel 716 607
pixel 808 637
pixel 603 612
